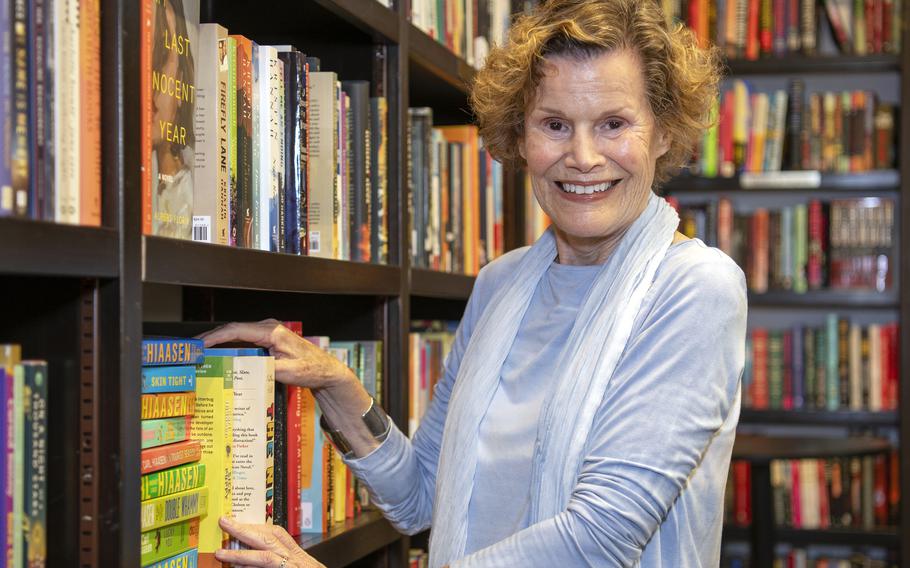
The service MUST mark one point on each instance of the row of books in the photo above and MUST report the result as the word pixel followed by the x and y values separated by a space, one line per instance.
pixel 255 146
pixel 753 29
pixel 456 198
pixel 178 513
pixel 536 221
pixel 51 111
pixel 23 459
pixel 844 244
pixel 838 366
pixel 786 556
pixel 218 414
pixel 842 132
pixel 837 492
pixel 418 558
pixel 469 28
pixel 429 343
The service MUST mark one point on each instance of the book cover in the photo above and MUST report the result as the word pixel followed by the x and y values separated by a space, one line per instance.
pixel 253 447
pixel 212 192
pixel 295 133
pixel 321 164
pixel 234 216
pixel 176 378
pixel 168 541
pixel 244 140
pixel 20 133
pixel 313 481
pixel 172 351
pixel 379 141
pixel 261 147
pixel 34 472
pixel 171 509
pixel 359 219
pixel 275 168
pixel 186 559
pixel 168 405
pixel 213 426
pixel 173 480
pixel 171 97
pixel 165 431
pixel 67 108
pixel 38 86
pixel 171 455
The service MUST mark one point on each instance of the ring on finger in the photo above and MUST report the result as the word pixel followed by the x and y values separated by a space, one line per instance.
pixel 284 562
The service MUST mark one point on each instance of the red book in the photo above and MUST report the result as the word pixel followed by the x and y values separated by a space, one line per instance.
pixel 787 399
pixel 880 490
pixel 760 397
pixel 816 245
pixel 295 446
pixel 163 457
pixel 886 371
pixel 725 225
pixel 824 505
pixel 752 42
pixel 742 501
pixel 760 249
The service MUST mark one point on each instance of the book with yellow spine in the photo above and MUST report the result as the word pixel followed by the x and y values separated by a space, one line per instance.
pixel 163 511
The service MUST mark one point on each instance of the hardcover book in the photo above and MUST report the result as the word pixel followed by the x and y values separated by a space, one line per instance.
pixel 253 447
pixel 168 541
pixel 172 351
pixel 171 509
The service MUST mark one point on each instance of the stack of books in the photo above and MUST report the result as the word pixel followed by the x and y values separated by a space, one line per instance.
pixel 174 491
pixel 23 460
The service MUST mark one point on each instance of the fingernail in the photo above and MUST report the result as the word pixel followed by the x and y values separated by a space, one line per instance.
pixel 219 554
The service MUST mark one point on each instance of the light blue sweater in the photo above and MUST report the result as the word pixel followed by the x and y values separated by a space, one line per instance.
pixel 651 487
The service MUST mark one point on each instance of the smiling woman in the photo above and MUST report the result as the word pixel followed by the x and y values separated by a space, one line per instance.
pixel 588 408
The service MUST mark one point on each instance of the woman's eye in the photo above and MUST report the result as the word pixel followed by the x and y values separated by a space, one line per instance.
pixel 555 125
pixel 614 124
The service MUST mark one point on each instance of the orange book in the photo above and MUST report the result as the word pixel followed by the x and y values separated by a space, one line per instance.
pixel 90 117
pixel 470 191
pixel 168 405
pixel 163 457
pixel 145 109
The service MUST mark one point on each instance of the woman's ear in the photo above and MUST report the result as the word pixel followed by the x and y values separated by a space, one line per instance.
pixel 662 143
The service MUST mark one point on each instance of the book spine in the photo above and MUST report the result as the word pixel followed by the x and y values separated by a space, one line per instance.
pixel 90 112
pixel 321 172
pixel 304 157
pixel 261 148
pixel 188 559
pixel 168 541
pixel 174 351
pixel 20 133
pixel 209 139
pixel 165 431
pixel 277 201
pixel 17 519
pixel 171 455
pixel 35 470
pixel 236 218
pixel 9 475
pixel 37 94
pixel 222 221
pixel 6 116
pixel 163 511
pixel 291 199
pixel 5 477
pixel 313 479
pixel 294 457
pixel 157 380
pixel 168 405
pixel 174 480
pixel 145 109
pixel 244 136
pixel 358 92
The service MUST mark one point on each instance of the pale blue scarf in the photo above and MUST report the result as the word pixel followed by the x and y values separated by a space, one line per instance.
pixel 589 359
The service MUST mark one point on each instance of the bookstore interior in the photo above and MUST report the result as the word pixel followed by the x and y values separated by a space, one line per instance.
pixel 323 169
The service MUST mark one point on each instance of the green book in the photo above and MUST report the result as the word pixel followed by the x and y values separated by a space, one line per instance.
pixel 775 369
pixel 158 544
pixel 163 431
pixel 234 217
pixel 832 386
pixel 800 249
pixel 709 156
pixel 173 480
pixel 172 509
pixel 18 543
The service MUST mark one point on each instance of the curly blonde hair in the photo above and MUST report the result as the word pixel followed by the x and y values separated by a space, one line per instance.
pixel 680 78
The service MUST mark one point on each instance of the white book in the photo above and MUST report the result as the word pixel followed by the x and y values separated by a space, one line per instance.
pixel 856 372
pixel 262 107
pixel 808 493
pixel 321 172
pixel 212 192
pixel 278 142
pixel 254 438
pixel 67 109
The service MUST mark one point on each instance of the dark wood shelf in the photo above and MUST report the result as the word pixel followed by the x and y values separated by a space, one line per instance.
pixel 439 59
pixel 801 65
pixel 875 181
pixel 764 448
pixel 884 537
pixel 39 248
pixel 435 284
pixel 371 17
pixel 187 263
pixel 737 533
pixel 350 541
pixel 825 299
pixel 819 417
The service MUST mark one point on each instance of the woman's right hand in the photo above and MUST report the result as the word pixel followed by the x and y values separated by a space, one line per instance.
pixel 297 361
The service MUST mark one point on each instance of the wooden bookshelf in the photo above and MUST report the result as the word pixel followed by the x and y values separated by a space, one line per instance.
pixel 434 284
pixel 826 299
pixel 803 65
pixel 38 248
pixel 819 417
pixel 876 182
pixel 350 541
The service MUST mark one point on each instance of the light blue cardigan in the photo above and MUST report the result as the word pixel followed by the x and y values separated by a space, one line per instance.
pixel 651 490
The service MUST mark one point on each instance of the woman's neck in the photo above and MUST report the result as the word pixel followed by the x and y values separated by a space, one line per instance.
pixel 588 251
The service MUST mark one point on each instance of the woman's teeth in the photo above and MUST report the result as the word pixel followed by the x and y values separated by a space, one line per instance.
pixel 586 189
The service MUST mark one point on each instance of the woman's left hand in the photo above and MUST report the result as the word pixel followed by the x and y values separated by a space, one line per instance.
pixel 270 547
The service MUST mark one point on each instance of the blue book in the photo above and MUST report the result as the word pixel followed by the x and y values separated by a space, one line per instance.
pixel 798 374
pixel 6 383
pixel 158 351
pixel 312 507
pixel 188 559
pixel 235 352
pixel 178 378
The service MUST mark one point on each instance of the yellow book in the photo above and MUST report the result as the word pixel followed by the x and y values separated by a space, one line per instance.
pixel 173 508
pixel 213 425
pixel 339 484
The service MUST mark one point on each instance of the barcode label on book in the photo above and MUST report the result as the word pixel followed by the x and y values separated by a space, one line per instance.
pixel 314 241
pixel 306 515
pixel 202 228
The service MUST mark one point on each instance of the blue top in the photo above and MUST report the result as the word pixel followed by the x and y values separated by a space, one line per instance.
pixel 651 487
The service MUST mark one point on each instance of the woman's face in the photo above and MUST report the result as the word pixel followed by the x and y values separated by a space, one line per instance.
pixel 591 144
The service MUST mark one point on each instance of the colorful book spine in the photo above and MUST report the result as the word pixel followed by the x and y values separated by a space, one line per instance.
pixel 67 109
pixel 213 425
pixel 174 480
pixel 165 431
pixel 313 481
pixel 171 509
pixel 244 137
pixel 90 112
pixel 171 455
pixel 171 540
pixel 188 559
pixel 168 405
pixel 234 217
pixel 35 462
pixel 172 351
pixel 259 144
pixel 254 430
pixel 178 378
pixel 17 519
pixel 321 165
